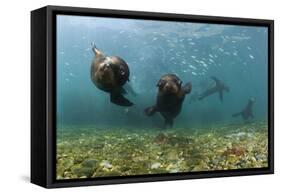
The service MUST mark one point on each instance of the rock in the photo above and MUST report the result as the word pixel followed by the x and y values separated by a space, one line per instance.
pixel 89 163
pixel 172 155
pixel 155 165
pixel 161 138
pixel 175 170
pixel 68 164
pixel 82 171
pixel 140 158
pixel 106 164
pixel 253 159
pixel 235 150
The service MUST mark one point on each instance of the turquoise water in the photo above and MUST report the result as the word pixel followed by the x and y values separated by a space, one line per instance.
pixel 236 55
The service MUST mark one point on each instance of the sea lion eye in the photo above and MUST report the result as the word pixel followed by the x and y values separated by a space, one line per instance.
pixel 160 83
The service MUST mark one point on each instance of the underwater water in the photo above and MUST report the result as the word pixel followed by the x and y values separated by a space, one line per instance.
pixel 97 138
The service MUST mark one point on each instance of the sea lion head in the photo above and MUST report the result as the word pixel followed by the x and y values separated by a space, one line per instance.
pixel 105 72
pixel 169 84
pixel 121 69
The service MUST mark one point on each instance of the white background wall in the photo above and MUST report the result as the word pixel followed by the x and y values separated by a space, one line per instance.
pixel 15 94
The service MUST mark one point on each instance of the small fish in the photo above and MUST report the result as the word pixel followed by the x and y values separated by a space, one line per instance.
pixel 191 66
pixel 251 56
pixel 194 73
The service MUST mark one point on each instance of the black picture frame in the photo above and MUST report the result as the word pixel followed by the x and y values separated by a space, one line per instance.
pixel 43 95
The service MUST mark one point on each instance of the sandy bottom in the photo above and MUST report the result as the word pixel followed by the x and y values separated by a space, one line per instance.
pixel 89 152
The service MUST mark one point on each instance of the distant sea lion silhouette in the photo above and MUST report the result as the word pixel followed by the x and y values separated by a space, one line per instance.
pixel 218 87
pixel 170 97
pixel 109 74
pixel 247 112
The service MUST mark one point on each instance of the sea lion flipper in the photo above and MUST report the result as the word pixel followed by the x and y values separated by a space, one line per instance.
pixel 169 122
pixel 150 110
pixel 96 51
pixel 119 99
pixel 221 95
pixel 187 88
pixel 123 91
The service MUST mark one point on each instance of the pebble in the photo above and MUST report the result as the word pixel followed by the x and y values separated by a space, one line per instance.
pixel 106 164
pixel 155 165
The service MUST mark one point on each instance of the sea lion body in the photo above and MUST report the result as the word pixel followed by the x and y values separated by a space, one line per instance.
pixel 247 112
pixel 218 87
pixel 170 97
pixel 109 74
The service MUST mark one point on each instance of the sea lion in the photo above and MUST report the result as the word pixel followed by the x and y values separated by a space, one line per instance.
pixel 109 74
pixel 193 97
pixel 219 87
pixel 170 97
pixel 247 112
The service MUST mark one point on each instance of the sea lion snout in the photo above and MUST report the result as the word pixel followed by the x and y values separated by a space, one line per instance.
pixel 105 67
pixel 168 86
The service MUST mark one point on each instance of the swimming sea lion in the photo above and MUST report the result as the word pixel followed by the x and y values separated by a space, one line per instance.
pixel 219 87
pixel 194 97
pixel 170 97
pixel 109 74
pixel 247 112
